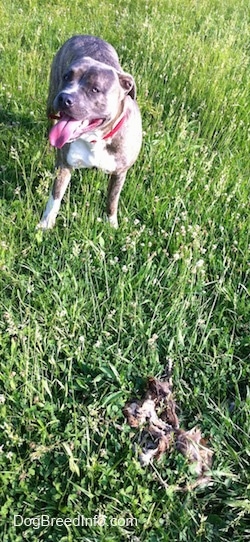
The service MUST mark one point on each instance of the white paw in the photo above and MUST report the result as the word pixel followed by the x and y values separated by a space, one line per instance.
pixel 46 223
pixel 49 216
pixel 113 221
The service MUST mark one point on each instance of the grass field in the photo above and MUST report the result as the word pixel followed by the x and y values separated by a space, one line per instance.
pixel 88 313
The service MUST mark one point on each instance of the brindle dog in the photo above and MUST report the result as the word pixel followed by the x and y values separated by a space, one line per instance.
pixel 97 122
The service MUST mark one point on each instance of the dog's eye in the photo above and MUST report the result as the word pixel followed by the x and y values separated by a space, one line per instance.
pixel 67 76
pixel 95 90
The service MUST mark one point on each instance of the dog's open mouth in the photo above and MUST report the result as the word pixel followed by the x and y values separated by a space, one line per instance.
pixel 68 129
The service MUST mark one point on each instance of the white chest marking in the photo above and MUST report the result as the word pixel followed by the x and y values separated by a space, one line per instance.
pixel 84 153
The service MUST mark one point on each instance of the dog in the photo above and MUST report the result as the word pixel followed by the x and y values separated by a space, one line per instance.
pixel 97 121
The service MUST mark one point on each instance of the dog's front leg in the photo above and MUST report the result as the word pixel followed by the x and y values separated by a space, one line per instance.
pixel 116 183
pixel 52 208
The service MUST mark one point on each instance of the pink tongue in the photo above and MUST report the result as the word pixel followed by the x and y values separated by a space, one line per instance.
pixel 65 129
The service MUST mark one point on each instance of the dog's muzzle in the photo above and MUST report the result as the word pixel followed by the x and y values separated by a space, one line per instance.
pixel 64 101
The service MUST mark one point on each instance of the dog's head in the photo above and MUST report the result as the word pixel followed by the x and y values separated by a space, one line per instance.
pixel 88 96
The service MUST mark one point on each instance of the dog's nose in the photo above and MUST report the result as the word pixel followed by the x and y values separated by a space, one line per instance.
pixel 65 100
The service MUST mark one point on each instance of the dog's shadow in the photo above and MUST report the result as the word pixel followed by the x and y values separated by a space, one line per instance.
pixel 19 141
pixel 11 118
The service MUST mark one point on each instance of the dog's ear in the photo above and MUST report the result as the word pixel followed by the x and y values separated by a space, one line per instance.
pixel 127 82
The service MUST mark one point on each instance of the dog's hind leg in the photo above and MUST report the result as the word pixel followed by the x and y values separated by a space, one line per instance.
pixel 52 208
pixel 116 183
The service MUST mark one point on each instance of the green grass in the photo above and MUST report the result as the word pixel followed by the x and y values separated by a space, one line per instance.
pixel 87 313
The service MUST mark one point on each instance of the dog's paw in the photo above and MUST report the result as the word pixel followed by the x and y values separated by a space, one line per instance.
pixel 46 224
pixel 113 221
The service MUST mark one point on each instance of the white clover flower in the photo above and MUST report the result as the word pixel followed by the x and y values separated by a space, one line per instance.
pixel 152 340
pixel 30 288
